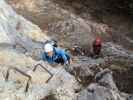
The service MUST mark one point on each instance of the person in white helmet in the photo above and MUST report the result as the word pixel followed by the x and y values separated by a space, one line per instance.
pixel 54 54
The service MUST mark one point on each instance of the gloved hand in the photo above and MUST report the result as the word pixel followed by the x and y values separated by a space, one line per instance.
pixel 67 63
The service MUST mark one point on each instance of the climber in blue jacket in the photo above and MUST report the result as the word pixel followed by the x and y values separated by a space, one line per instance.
pixel 55 54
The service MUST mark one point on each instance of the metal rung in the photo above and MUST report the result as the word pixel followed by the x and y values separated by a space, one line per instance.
pixel 35 67
pixel 25 50
pixel 21 72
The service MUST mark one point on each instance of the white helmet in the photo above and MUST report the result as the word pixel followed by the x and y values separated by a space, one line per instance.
pixel 48 47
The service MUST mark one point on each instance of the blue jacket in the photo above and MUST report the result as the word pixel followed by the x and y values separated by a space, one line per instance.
pixel 57 54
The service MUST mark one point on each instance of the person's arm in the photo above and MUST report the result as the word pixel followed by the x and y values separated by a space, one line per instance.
pixel 65 59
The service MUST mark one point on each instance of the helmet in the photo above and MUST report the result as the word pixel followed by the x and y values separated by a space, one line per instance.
pixel 48 47
pixel 52 42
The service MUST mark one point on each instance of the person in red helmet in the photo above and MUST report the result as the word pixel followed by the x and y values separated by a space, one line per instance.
pixel 97 45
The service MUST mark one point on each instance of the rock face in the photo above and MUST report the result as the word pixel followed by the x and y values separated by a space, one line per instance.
pixel 14 29
pixel 62 85
pixel 100 83
pixel 75 21
pixel 21 42
pixel 104 78
pixel 104 89
pixel 17 33
pixel 60 23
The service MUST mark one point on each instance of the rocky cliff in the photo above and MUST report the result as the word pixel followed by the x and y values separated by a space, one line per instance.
pixel 25 77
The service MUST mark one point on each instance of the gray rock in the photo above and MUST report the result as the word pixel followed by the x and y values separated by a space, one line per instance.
pixel 104 78
pixel 130 98
pixel 97 92
pixel 25 35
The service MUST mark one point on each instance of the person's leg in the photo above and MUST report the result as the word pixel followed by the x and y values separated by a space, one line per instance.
pixel 68 58
pixel 60 60
pixel 96 51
